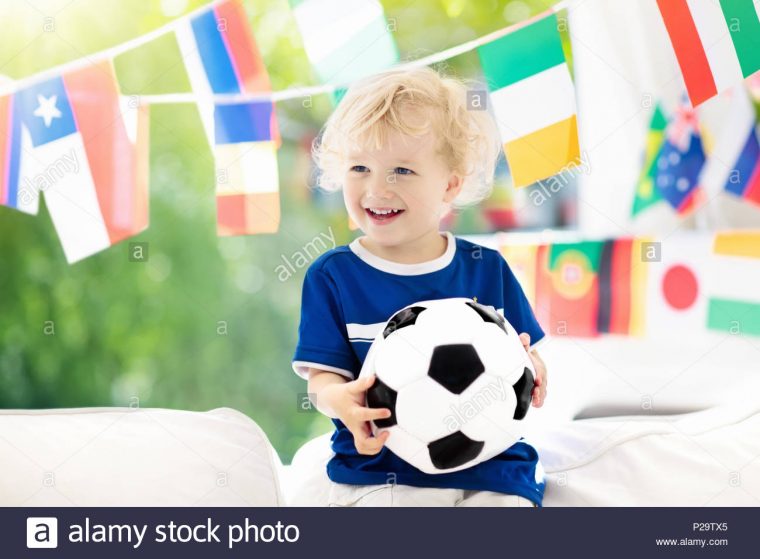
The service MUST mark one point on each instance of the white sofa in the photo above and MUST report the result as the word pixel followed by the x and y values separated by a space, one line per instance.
pixel 158 457
pixel 627 422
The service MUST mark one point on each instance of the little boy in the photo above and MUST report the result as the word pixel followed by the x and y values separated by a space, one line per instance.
pixel 404 148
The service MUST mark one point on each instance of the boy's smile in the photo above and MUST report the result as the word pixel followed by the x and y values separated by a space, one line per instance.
pixel 382 215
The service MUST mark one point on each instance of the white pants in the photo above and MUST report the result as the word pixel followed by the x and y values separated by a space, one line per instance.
pixel 397 495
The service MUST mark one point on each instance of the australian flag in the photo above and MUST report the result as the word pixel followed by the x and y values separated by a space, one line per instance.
pixel 680 162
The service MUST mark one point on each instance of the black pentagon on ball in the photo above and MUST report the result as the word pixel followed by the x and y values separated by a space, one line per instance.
pixel 380 395
pixel 454 450
pixel 488 314
pixel 523 389
pixel 403 318
pixel 455 366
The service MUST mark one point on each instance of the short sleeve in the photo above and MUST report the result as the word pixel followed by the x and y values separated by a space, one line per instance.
pixel 322 339
pixel 517 308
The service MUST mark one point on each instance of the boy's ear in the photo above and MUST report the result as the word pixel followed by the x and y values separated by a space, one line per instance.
pixel 453 187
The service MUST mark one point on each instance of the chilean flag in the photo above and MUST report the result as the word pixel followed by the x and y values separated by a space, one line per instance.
pixel 88 158
pixel 221 57
pixel 13 140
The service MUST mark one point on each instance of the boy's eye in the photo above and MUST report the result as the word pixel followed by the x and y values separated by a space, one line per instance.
pixel 404 171
pixel 359 168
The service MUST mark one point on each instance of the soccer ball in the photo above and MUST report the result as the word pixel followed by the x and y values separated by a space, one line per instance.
pixel 457 380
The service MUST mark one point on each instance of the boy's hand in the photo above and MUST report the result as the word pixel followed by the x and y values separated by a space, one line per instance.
pixel 539 390
pixel 347 399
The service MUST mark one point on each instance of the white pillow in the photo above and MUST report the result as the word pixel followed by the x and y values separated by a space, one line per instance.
pixel 706 458
pixel 135 457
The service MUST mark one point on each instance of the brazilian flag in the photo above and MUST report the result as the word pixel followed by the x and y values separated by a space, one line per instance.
pixel 646 193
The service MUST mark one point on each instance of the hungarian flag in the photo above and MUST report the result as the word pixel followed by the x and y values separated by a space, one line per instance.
pixel 14 140
pixel 677 285
pixel 533 100
pixel 717 43
pixel 734 304
pixel 734 164
pixel 345 39
pixel 89 158
pixel 646 193
pixel 622 288
pixel 221 57
pixel 573 287
pixel 679 162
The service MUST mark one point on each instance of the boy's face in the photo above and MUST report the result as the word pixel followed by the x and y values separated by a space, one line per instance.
pixel 405 175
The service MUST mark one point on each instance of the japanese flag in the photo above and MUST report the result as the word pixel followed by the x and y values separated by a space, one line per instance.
pixel 677 288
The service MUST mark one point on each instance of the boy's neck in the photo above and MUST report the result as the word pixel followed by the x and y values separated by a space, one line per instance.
pixel 428 247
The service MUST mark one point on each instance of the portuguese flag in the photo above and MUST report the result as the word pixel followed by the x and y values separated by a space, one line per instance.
pixel 717 43
pixel 533 100
pixel 574 288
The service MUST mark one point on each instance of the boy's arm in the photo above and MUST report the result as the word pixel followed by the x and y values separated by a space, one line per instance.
pixel 319 379
pixel 539 386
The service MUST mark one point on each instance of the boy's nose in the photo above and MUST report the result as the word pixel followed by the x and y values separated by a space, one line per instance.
pixel 379 188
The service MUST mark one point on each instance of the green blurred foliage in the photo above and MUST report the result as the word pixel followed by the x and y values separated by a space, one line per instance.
pixel 205 322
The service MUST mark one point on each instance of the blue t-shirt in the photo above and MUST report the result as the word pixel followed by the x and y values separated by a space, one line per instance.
pixel 348 295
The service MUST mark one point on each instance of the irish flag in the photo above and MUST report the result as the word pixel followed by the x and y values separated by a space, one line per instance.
pixel 734 304
pixel 533 100
pixel 717 43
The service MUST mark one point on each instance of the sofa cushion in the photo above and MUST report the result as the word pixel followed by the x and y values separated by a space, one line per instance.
pixel 135 457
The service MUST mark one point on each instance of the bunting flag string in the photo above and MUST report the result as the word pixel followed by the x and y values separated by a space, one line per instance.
pixel 693 282
pixel 97 190
pixel 45 119
pixel 221 56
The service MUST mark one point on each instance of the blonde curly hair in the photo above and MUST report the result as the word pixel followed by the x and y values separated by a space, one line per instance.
pixel 468 138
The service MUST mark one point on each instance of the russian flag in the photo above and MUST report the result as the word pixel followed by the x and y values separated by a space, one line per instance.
pixel 221 57
pixel 734 164
pixel 89 158
pixel 13 139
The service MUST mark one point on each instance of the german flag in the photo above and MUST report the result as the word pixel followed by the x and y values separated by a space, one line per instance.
pixel 622 283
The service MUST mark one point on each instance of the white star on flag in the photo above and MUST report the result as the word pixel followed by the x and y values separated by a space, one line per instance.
pixel 47 109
